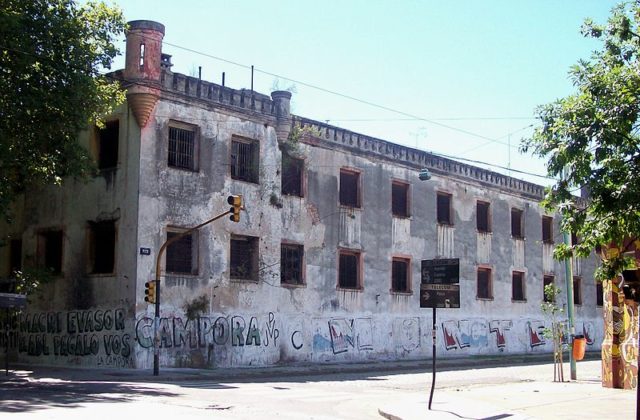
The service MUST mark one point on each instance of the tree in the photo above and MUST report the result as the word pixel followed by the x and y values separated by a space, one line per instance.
pixel 556 332
pixel 591 141
pixel 51 54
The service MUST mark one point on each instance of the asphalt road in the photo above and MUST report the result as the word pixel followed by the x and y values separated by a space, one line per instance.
pixel 521 391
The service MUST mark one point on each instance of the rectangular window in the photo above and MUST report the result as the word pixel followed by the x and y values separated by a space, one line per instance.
pixel 182 255
pixel 102 245
pixel 574 238
pixel 15 255
pixel 182 147
pixel 599 294
pixel 444 208
pixel 349 270
pixel 292 175
pixel 400 199
pixel 400 275
pixel 577 291
pixel 108 145
pixel 245 162
pixel 483 222
pixel 243 264
pixel 546 280
pixel 50 250
pixel 547 229
pixel 291 263
pixel 349 188
pixel 517 229
pixel 517 286
pixel 484 289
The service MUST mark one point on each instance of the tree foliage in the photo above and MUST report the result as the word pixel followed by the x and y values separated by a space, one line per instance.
pixel 51 54
pixel 591 141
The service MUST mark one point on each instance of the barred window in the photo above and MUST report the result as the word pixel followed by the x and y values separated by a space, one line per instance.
pixel 349 188
pixel 400 199
pixel 577 291
pixel 444 208
pixel 546 280
pixel 182 147
pixel 349 270
pixel 599 294
pixel 484 287
pixel 291 260
pixel 517 286
pixel 245 163
pixel 482 217
pixel 244 258
pixel 102 244
pixel 182 255
pixel 108 145
pixel 547 229
pixel 517 229
pixel 292 170
pixel 400 270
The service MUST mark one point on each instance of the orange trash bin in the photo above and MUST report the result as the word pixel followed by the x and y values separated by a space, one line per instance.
pixel 579 347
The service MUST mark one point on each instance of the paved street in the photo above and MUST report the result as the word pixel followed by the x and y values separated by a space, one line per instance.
pixel 393 390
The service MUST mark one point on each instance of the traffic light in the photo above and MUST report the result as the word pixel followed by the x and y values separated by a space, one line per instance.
pixel 236 203
pixel 150 291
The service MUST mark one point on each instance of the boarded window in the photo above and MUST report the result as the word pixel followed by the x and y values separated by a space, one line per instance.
pixel 349 188
pixel 244 160
pixel 108 145
pixel 517 230
pixel 292 170
pixel 577 291
pixel 547 229
pixel 517 286
pixel 482 217
pixel 15 255
pixel 444 208
pixel 182 147
pixel 400 269
pixel 484 289
pixel 599 294
pixel 182 255
pixel 50 250
pixel 349 270
pixel 102 244
pixel 291 260
pixel 244 258
pixel 546 280
pixel 400 199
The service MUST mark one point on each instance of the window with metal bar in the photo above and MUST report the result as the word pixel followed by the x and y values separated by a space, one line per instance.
pixel 349 188
pixel 108 145
pixel 547 229
pixel 599 294
pixel 244 258
pixel 482 217
pixel 182 148
pixel 244 160
pixel 400 199
pixel 517 229
pixel 444 208
pixel 349 270
pixel 577 291
pixel 400 270
pixel 484 288
pixel 292 172
pixel 182 255
pixel 102 236
pixel 291 260
pixel 517 286
pixel 546 280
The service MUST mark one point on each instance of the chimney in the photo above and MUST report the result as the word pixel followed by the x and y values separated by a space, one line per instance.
pixel 282 102
pixel 143 67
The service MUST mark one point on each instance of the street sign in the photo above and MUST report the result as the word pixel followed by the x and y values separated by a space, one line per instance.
pixel 12 300
pixel 440 283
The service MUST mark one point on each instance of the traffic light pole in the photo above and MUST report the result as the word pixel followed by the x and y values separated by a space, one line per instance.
pixel 156 321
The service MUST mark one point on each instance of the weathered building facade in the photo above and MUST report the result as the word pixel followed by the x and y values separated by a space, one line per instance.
pixel 324 265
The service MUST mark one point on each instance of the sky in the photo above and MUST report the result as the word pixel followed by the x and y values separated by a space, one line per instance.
pixel 460 78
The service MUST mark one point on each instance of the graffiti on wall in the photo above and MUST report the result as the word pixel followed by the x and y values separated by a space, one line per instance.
pixel 407 334
pixel 535 331
pixel 99 333
pixel 234 330
pixel 350 334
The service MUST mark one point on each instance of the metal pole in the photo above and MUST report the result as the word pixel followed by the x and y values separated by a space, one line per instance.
pixel 6 344
pixel 156 321
pixel 569 287
pixel 433 365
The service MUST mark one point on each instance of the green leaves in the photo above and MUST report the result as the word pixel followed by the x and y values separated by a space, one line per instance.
pixel 591 141
pixel 51 56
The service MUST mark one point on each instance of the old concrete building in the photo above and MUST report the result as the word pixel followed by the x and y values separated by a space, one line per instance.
pixel 324 265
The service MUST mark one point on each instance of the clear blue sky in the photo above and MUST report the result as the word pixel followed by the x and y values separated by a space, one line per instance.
pixel 478 67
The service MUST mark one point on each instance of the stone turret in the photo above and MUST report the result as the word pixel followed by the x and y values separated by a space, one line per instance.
pixel 143 67
pixel 282 103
